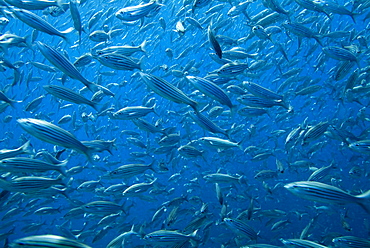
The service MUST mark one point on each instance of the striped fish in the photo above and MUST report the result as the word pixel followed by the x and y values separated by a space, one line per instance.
pixel 128 171
pixel 123 50
pixel 212 39
pixel 252 111
pixel 258 102
pixel 320 192
pixel 339 53
pixel 301 31
pixel 137 12
pixel 30 165
pixel 34 4
pixel 241 228
pixel 315 132
pixel 231 69
pixel 207 124
pixel 260 91
pixel 167 90
pixel 189 151
pixel 211 89
pixel 362 146
pixel 319 174
pixel 169 237
pixel 102 208
pixel 38 23
pixel 260 246
pixel 118 61
pixel 63 64
pixel 53 134
pixel 351 242
pixel 301 243
pixel 47 241
pixel 68 95
pixel 30 184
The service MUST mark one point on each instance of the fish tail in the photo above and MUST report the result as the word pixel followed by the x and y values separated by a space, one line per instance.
pixel 317 38
pixel 92 87
pixel 242 180
pixel 60 3
pixel 140 63
pixel 66 35
pixel 62 168
pixel 26 148
pixel 89 152
pixel 94 105
pixel 195 106
pixel 142 46
pixel 233 110
pixel 364 201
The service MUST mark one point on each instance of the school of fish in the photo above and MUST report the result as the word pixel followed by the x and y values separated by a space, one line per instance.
pixel 191 123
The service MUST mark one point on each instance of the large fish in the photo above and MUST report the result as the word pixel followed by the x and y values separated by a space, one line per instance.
pixel 53 134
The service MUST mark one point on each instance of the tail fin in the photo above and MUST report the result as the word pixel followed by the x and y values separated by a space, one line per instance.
pixel 62 168
pixel 26 148
pixel 66 35
pixel 364 201
pixel 142 46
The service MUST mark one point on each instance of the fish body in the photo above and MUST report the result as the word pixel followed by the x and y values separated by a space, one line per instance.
pixel 169 237
pixel 133 13
pixel 33 4
pixel 38 23
pixel 128 171
pixel 68 95
pixel 30 165
pixel 320 192
pixel 47 241
pixel 167 90
pixel 53 134
pixel 210 89
pixel 219 143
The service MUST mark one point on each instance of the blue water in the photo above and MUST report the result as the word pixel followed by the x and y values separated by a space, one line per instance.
pixel 129 89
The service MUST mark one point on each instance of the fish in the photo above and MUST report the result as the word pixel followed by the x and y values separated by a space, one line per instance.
pixel 220 143
pixel 163 237
pixel 68 95
pixel 53 134
pixel 136 12
pixel 38 23
pixel 118 61
pixel 33 4
pixel 167 90
pixel 241 228
pixel 128 170
pixel 212 90
pixel 302 243
pixel 63 64
pixel 47 241
pixel 320 192
pixel 29 165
